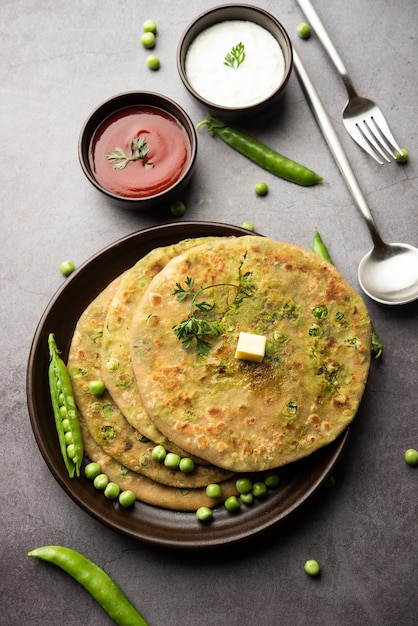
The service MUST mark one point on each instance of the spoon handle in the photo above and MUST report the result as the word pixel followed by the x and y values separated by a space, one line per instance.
pixel 316 23
pixel 335 146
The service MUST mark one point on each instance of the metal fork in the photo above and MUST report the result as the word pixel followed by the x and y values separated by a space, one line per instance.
pixel 362 118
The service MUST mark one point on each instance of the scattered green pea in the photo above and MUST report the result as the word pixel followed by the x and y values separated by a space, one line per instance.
pixel 304 30
pixel 67 268
pixel 148 39
pixel 402 156
pixel 97 387
pixel 259 490
pixel 411 456
pixel 244 485
pixel 312 568
pixel 178 209
pixel 232 503
pixel 150 26
pixel 172 460
pixel 186 465
pixel 247 225
pixel 261 188
pixel 112 491
pixel 271 480
pixel 127 498
pixel 204 514
pixel 153 62
pixel 101 481
pixel 247 498
pixel 92 470
pixel 213 490
pixel 158 453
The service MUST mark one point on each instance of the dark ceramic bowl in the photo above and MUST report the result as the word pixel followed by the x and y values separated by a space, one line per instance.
pixel 242 12
pixel 116 105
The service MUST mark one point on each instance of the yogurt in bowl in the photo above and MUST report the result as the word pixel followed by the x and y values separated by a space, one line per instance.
pixel 222 78
pixel 235 60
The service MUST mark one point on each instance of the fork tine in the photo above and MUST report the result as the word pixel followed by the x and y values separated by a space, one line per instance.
pixel 385 132
pixel 363 142
pixel 367 129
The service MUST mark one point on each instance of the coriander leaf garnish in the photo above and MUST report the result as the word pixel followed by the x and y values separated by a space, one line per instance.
pixel 139 151
pixel 236 56
pixel 196 327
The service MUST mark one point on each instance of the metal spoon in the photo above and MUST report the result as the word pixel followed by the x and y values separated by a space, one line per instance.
pixel 389 272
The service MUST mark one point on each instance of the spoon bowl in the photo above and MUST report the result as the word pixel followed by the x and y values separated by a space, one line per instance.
pixel 389 273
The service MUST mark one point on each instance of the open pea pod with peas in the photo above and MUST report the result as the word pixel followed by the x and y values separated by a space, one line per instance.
pixel 65 411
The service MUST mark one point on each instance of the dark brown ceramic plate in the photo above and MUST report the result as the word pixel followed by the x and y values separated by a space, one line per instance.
pixel 299 480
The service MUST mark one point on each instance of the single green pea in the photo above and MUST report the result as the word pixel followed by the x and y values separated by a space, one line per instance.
pixel 247 225
pixel 153 62
pixel 67 268
pixel 172 460
pixel 304 30
pixel 112 491
pixel 261 188
pixel 259 490
pixel 101 481
pixel 402 156
pixel 312 567
pixel 127 498
pixel 411 456
pixel 68 437
pixel 150 26
pixel 158 453
pixel 213 490
pixel 66 425
pixel 97 387
pixel 92 470
pixel 244 485
pixel 204 514
pixel 247 498
pixel 71 451
pixel 178 209
pixel 186 465
pixel 232 503
pixel 148 39
pixel 271 480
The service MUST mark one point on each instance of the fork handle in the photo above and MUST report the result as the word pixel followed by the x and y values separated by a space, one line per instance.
pixel 315 21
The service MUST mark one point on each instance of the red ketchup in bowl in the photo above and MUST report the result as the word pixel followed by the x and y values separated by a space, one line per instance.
pixel 139 151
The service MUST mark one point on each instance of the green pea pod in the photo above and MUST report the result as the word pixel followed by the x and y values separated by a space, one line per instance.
pixel 99 584
pixel 65 411
pixel 262 155
pixel 320 248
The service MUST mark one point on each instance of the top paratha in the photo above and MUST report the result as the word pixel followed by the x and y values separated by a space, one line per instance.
pixel 246 416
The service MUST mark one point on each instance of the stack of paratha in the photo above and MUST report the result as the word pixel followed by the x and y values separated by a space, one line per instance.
pixel 231 416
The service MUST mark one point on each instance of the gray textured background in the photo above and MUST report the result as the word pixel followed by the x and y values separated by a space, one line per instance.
pixel 58 61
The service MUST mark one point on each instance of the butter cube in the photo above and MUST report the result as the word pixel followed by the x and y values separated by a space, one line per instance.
pixel 250 347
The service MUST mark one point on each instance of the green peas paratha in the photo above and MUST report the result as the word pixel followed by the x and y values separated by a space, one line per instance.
pixel 103 418
pixel 147 490
pixel 240 415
